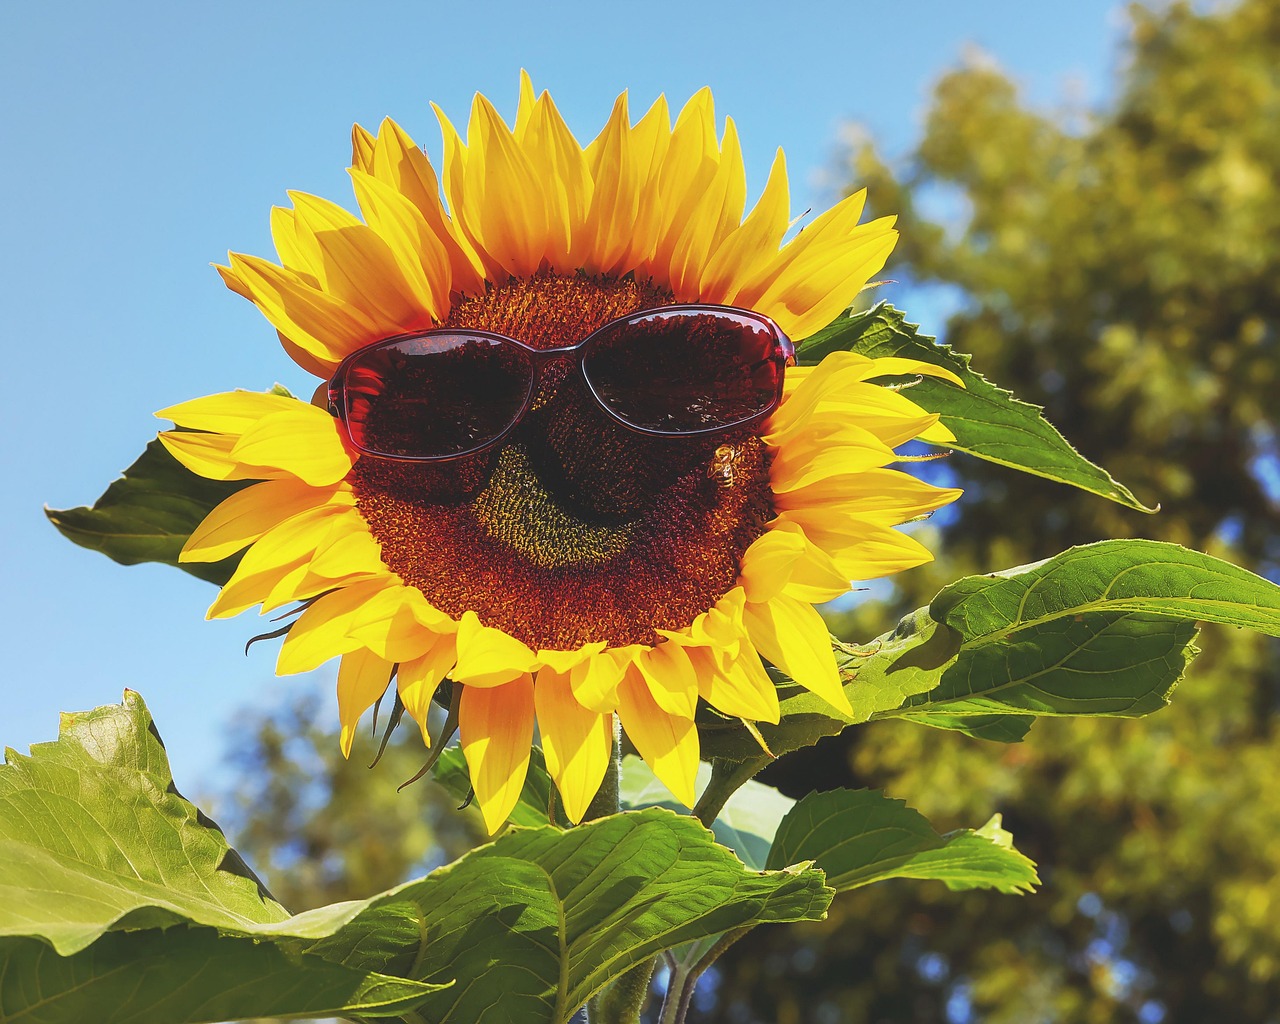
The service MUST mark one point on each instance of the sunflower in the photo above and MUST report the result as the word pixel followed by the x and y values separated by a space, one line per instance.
pixel 578 570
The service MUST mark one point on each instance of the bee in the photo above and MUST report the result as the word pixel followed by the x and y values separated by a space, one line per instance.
pixel 723 466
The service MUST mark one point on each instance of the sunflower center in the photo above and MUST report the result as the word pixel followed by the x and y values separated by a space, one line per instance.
pixel 575 529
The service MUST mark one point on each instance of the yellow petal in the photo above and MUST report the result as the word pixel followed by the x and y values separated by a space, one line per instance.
pixel 505 205
pixel 294 253
pixel 896 366
pixel 418 252
pixel 671 678
pixel 595 682
pixel 864 550
pixel 753 243
pixel 668 743
pixel 884 496
pixel 558 161
pixel 495 726
pixel 245 588
pixel 232 412
pixel 768 563
pixel 792 635
pixel 741 688
pixel 836 393
pixel 489 657
pixel 418 678
pixel 245 516
pixel 320 633
pixel 209 456
pixel 606 233
pixel 577 741
pixel 297 584
pixel 807 459
pixel 286 546
pixel 321 324
pixel 347 549
pixel 362 143
pixel 399 625
pixel 362 679
pixel 397 161
pixel 717 212
pixel 720 626
pixel 303 441
pixel 812 291
pixel 688 171
pixel 650 140
pixel 357 266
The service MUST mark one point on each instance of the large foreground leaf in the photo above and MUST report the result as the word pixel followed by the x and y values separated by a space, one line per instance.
pixel 988 421
pixel 1102 629
pixel 860 836
pixel 94 837
pixel 191 975
pixel 120 902
pixel 99 853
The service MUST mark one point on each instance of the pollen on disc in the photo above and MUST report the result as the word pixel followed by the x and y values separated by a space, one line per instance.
pixel 576 529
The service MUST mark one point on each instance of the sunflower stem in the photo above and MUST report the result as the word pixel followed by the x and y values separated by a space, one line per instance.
pixel 624 1000
pixel 727 777
pixel 608 798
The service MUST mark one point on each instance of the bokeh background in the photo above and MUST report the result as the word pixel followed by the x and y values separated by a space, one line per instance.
pixel 1090 205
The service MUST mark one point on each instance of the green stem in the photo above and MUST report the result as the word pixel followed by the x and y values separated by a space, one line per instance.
pixel 675 1003
pixel 624 1000
pixel 684 978
pixel 727 777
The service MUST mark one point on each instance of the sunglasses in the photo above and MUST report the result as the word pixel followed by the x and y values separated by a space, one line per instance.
pixel 674 371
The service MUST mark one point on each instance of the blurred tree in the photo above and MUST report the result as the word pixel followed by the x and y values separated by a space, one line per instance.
pixel 1121 270
pixel 317 828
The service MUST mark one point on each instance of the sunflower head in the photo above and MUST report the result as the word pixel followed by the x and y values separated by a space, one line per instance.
pixel 578 568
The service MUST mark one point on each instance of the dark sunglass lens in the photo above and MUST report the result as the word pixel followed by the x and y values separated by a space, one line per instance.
pixel 434 396
pixel 684 371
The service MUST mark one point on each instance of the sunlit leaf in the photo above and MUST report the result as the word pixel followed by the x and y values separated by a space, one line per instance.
pixel 988 421
pixel 99 853
pixel 862 836
pixel 1102 629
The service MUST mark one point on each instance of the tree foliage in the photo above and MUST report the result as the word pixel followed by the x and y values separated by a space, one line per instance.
pixel 1118 268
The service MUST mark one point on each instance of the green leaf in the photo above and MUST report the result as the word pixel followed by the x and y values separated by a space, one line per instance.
pixel 187 975
pixel 1113 576
pixel 988 421
pixel 746 824
pixel 879 677
pixel 862 836
pixel 148 514
pixel 99 853
pixel 94 837
pixel 536 922
pixel 1102 629
pixel 120 902
pixel 995 728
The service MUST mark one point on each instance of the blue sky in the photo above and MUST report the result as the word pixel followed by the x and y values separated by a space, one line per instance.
pixel 148 138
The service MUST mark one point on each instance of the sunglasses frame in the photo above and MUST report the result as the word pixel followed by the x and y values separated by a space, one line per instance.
pixel 783 353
